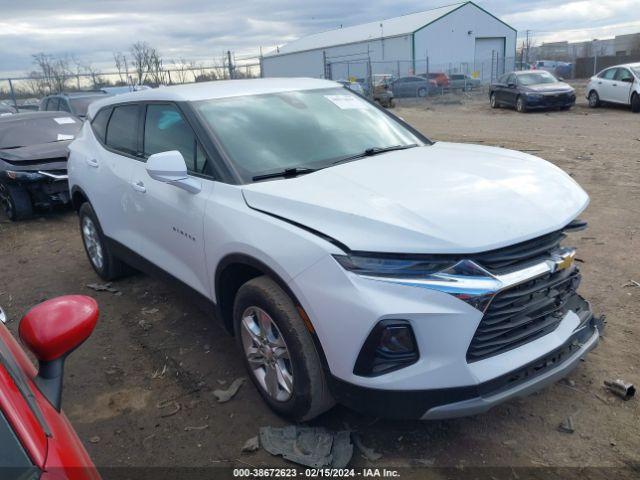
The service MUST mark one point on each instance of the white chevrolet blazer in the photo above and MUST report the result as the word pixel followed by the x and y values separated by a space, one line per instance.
pixel 354 260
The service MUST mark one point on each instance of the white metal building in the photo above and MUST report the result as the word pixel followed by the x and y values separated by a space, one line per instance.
pixel 456 38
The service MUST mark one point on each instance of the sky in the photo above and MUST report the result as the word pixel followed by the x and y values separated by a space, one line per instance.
pixel 201 30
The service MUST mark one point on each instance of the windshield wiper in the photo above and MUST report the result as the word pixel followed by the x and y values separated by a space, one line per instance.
pixel 286 173
pixel 370 152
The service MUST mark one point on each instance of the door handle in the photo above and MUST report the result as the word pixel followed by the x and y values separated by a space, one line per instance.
pixel 92 162
pixel 599 83
pixel 615 84
pixel 139 186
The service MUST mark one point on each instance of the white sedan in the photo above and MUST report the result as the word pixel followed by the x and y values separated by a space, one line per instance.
pixel 619 84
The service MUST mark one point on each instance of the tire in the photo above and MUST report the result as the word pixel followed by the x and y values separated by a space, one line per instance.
pixel 306 394
pixel 96 247
pixel 493 101
pixel 594 99
pixel 635 103
pixel 422 92
pixel 520 105
pixel 16 202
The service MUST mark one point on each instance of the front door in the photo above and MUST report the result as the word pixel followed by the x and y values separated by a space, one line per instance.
pixel 171 220
pixel 623 82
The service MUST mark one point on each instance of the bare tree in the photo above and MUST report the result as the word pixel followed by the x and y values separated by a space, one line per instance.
pixel 181 69
pixel 155 68
pixel 122 65
pixel 141 60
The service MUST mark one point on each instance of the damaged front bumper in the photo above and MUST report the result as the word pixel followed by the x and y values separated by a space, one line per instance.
pixel 46 188
pixel 437 404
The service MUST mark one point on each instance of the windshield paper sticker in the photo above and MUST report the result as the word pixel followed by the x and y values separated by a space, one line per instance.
pixel 62 136
pixel 346 102
pixel 63 120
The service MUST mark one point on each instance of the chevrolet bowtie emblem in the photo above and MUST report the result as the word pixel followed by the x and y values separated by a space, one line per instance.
pixel 565 260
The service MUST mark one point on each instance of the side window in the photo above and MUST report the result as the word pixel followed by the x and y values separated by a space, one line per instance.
pixel 609 74
pixel 624 75
pixel 122 130
pixel 64 106
pixel 99 123
pixel 166 129
pixel 52 104
pixel 511 80
pixel 503 79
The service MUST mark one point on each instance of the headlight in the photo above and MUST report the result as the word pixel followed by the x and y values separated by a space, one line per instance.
pixel 379 266
pixel 23 176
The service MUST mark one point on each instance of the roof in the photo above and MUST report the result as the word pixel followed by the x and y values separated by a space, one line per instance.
pixel 391 27
pixel 217 89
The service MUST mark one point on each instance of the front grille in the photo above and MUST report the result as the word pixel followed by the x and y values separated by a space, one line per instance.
pixel 515 256
pixel 524 313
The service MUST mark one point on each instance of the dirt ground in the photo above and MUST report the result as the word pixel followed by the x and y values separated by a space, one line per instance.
pixel 139 392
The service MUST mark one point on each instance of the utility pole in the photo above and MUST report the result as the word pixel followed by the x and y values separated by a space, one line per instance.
pixel 13 94
pixel 230 64
pixel 528 44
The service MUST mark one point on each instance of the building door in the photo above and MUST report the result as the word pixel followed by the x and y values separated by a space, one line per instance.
pixel 489 58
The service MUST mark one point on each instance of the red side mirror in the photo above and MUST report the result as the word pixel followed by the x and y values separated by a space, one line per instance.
pixel 52 330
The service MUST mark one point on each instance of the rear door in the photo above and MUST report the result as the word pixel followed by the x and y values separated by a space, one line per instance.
pixel 169 219
pixel 107 170
pixel 606 88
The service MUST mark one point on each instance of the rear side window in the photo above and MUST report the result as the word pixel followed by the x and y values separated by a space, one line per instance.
pixel 166 129
pixel 64 106
pixel 100 123
pixel 52 104
pixel 122 130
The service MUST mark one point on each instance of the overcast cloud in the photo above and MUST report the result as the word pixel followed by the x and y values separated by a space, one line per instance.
pixel 202 29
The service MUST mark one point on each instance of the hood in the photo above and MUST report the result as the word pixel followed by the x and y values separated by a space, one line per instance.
pixel 50 156
pixel 550 87
pixel 443 198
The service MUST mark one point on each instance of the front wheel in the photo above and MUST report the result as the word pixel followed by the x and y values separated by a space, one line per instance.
pixel 594 99
pixel 102 259
pixel 521 106
pixel 279 352
pixel 635 103
pixel 422 92
pixel 16 202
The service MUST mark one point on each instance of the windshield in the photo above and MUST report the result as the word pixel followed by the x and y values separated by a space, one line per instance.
pixel 636 70
pixel 303 129
pixel 536 78
pixel 80 105
pixel 24 130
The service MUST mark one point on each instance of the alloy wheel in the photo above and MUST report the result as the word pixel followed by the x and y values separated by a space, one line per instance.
pixel 91 240
pixel 593 99
pixel 267 354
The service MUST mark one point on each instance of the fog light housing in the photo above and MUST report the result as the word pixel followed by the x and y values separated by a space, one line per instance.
pixel 391 345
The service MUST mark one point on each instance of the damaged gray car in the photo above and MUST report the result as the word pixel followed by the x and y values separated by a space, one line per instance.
pixel 33 161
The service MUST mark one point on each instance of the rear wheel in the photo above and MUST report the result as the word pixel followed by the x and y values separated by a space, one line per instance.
pixel 594 99
pixel 635 103
pixel 279 352
pixel 102 259
pixel 521 106
pixel 422 92
pixel 492 101
pixel 15 201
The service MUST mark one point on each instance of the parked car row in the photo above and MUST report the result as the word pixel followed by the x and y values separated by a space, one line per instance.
pixel 538 89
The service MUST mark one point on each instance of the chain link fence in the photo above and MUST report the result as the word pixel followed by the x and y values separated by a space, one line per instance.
pixel 408 78
pixel 24 91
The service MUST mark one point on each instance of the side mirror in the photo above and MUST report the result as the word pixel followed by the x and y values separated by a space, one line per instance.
pixel 169 167
pixel 52 330
pixel 512 85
